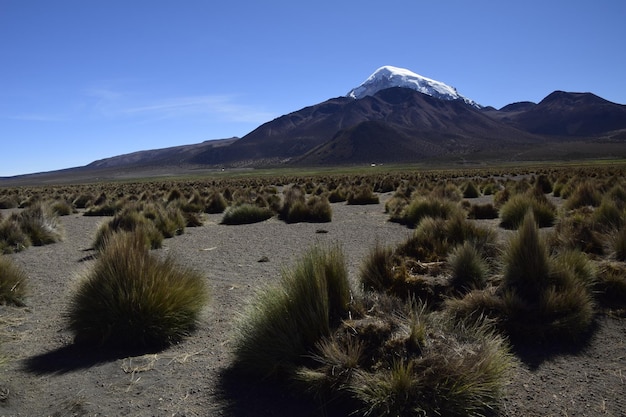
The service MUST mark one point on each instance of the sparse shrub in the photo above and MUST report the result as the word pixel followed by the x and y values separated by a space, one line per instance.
pixel 363 195
pixel 82 201
pixel 585 194
pixel 608 215
pixel 619 244
pixel 246 214
pixel 538 299
pixel 395 207
pixel 107 208
pixel 12 237
pixel 338 195
pixel 133 299
pixel 285 322
pixel 129 220
pixel 576 231
pixel 449 191
pixel 315 210
pixel 580 264
pixel 416 362
pixel 470 190
pixel 291 196
pixel 483 211
pixel 543 184
pixel 215 203
pixel 422 207
pixel 9 202
pixel 169 220
pixel 490 188
pixel 469 269
pixel 13 282
pixel 610 286
pixel 41 224
pixel 377 270
pixel 62 208
pixel 526 262
pixel 174 194
pixel 512 213
pixel 434 238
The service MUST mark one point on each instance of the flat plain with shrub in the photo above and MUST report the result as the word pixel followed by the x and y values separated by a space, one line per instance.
pixel 473 291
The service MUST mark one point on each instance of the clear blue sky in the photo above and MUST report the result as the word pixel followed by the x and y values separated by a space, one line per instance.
pixel 83 80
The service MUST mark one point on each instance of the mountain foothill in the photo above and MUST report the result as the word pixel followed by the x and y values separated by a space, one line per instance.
pixel 397 116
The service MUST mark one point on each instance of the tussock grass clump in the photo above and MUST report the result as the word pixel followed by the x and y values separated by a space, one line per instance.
pixel 402 359
pixel 13 282
pixel 470 190
pixel 62 208
pixel 12 237
pixel 422 207
pixel 131 298
pixel 540 298
pixel 483 211
pixel 129 220
pixel 41 224
pixel 377 270
pixel 610 288
pixel 608 215
pixel 362 195
pixel 512 213
pixel 170 220
pixel 435 237
pixel 577 230
pixel 338 195
pixel 9 202
pixel 619 244
pixel 284 323
pixel 215 203
pixel 246 214
pixel 316 210
pixel 585 194
pixel 107 208
pixel 469 269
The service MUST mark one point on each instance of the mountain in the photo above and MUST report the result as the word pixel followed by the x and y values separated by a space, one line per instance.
pixel 388 77
pixel 395 116
pixel 428 127
pixel 572 115
pixel 166 156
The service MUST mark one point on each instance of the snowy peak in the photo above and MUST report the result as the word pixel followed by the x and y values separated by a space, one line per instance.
pixel 388 76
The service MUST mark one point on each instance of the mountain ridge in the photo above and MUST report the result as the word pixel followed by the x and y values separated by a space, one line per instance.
pixel 395 124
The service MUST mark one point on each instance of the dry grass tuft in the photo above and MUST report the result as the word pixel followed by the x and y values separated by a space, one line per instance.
pixel 131 298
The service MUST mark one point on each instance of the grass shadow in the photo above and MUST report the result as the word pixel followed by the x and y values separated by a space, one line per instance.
pixel 534 354
pixel 243 396
pixel 76 357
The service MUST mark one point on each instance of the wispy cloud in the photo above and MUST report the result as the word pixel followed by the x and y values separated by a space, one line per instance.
pixel 35 117
pixel 111 103
pixel 224 107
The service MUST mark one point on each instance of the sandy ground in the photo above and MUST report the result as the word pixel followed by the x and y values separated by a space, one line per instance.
pixel 45 375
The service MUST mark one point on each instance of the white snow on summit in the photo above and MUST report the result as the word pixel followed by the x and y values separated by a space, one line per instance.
pixel 388 76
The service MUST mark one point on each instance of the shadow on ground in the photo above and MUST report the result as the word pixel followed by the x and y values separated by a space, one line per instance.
pixel 534 353
pixel 76 357
pixel 244 396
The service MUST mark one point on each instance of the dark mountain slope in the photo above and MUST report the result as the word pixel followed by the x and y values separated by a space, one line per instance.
pixel 428 125
pixel 571 114
pixel 175 155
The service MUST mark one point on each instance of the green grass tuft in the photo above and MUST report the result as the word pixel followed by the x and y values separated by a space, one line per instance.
pixel 130 298
pixel 284 323
pixel 246 214
pixel 13 282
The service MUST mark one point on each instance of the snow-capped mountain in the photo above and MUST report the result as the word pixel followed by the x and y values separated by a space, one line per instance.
pixel 388 76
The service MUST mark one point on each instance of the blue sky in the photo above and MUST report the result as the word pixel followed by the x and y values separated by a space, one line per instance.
pixel 82 80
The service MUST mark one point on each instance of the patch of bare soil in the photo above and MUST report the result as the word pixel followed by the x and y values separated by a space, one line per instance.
pixel 44 374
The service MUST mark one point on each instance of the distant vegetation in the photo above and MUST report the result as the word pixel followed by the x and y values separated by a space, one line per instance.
pixel 497 258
